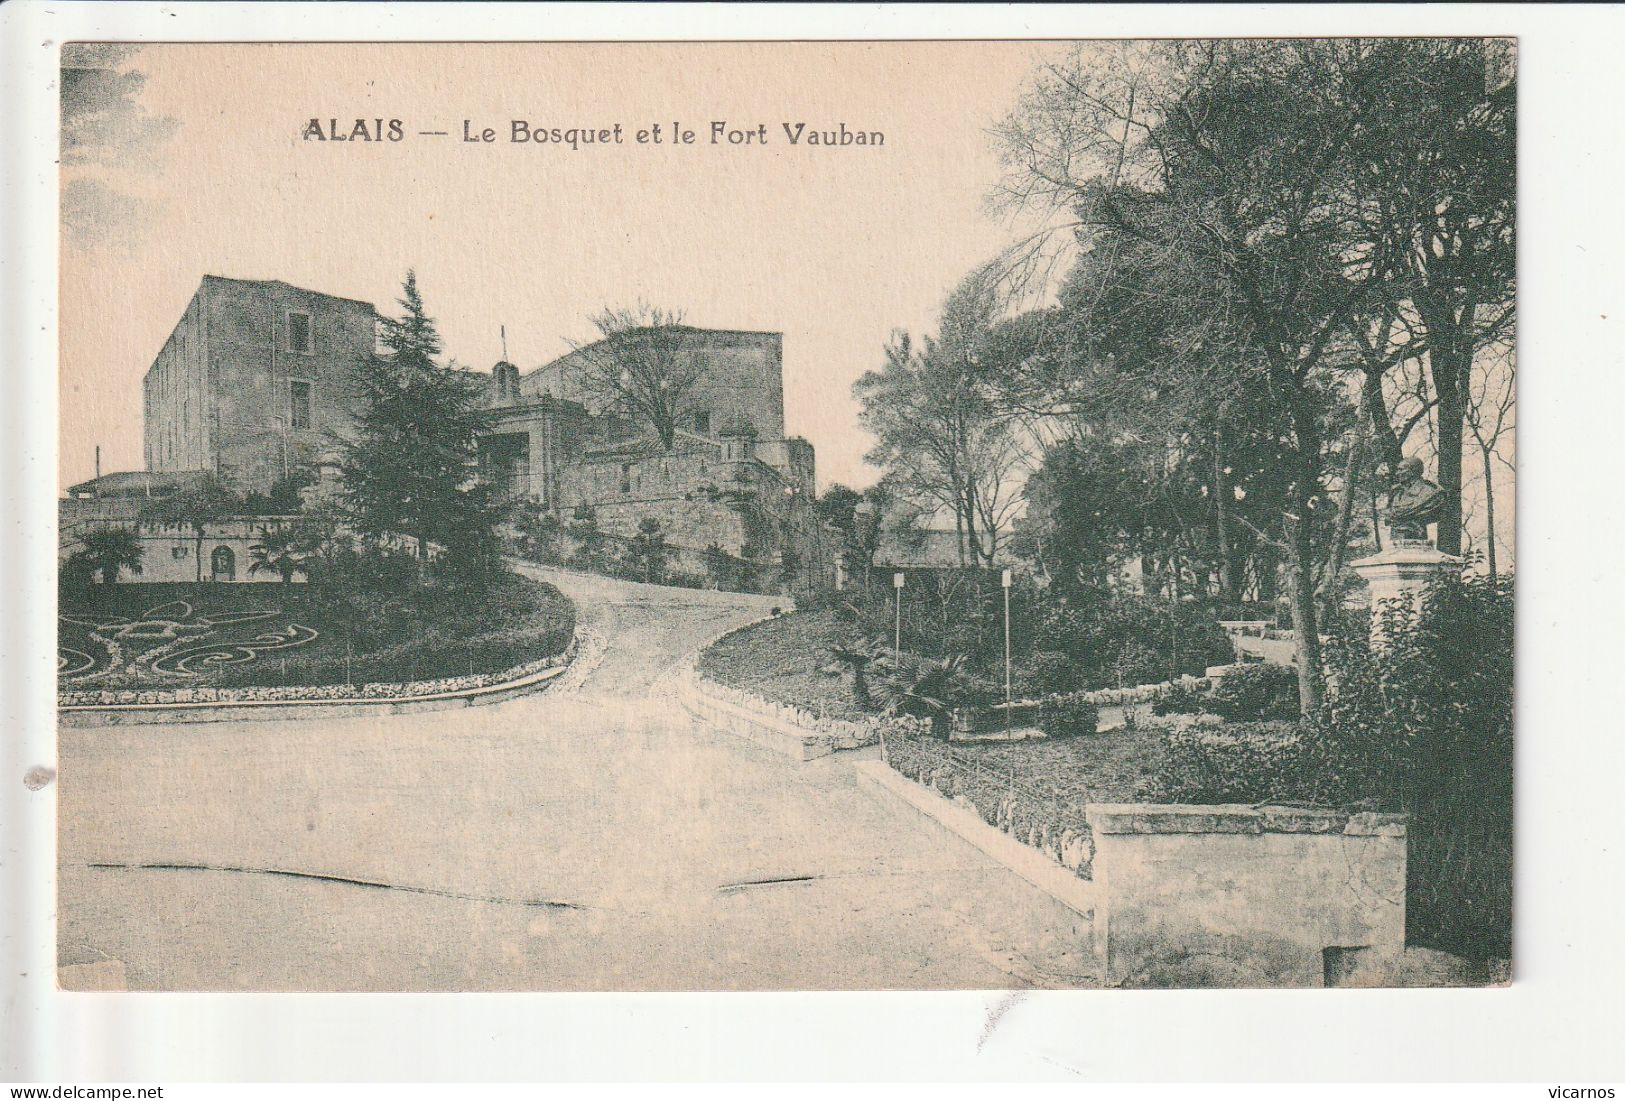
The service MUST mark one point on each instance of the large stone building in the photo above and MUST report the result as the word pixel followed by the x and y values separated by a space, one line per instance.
pixel 256 383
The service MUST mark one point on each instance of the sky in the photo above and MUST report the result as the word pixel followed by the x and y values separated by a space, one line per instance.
pixel 190 161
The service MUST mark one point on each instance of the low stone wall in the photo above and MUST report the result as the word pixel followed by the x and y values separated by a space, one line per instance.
pixel 1223 896
pixel 1243 896
pixel 203 704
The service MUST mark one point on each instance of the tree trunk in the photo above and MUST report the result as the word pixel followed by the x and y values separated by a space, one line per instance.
pixel 198 554
pixel 1266 563
pixel 1489 507
pixel 1389 452
pixel 972 541
pixel 1345 512
pixel 1228 584
pixel 1305 623
pixel 1448 376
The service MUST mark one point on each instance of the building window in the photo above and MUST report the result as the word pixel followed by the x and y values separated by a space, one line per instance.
pixel 177 552
pixel 299 404
pixel 626 478
pixel 299 335
pixel 702 423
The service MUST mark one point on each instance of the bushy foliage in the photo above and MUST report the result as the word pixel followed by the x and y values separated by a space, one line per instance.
pixel 1116 639
pixel 1068 716
pixel 1180 699
pixel 1093 638
pixel 923 688
pixel 1422 725
pixel 1425 724
pixel 1248 693
pixel 1241 763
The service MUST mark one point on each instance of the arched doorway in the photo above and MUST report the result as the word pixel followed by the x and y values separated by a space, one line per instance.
pixel 223 564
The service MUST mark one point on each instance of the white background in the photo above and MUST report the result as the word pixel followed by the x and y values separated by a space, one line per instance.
pixel 1561 1022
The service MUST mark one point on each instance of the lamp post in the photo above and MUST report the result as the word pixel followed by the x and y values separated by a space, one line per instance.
pixel 897 638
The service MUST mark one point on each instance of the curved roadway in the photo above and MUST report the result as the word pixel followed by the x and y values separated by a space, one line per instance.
pixel 592 837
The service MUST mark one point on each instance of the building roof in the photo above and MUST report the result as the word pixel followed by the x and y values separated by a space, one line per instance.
pixel 284 283
pixel 138 483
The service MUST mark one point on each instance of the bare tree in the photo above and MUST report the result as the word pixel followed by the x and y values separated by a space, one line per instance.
pixel 643 366
pixel 940 439
pixel 1489 414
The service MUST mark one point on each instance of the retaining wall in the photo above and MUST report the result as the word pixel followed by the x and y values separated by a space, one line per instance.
pixel 1226 896
pixel 1242 896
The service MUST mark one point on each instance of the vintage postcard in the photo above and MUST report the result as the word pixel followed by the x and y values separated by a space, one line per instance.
pixel 786 516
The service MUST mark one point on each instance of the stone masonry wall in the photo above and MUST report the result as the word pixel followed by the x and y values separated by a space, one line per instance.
pixel 744 376
pixel 1240 896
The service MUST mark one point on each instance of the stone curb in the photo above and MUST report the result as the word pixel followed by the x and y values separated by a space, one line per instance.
pixel 1144 818
pixel 79 715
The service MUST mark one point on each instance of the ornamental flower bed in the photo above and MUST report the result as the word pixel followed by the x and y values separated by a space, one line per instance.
pixel 1053 823
pixel 301 692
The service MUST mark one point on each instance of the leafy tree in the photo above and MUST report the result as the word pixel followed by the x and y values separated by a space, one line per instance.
pixel 641 367
pixel 647 552
pixel 1218 161
pixel 789 566
pixel 1433 177
pixel 410 468
pixel 280 550
pixel 940 440
pixel 836 507
pixel 106 553
pixel 196 506
pixel 725 570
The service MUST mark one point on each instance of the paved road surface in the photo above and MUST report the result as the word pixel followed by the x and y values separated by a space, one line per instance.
pixel 593 837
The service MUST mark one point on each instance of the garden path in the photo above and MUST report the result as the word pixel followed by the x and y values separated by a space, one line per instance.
pixel 591 837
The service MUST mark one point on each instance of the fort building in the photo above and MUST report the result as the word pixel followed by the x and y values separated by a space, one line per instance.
pixel 257 383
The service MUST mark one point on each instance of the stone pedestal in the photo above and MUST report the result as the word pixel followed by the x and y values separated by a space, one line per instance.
pixel 1402 572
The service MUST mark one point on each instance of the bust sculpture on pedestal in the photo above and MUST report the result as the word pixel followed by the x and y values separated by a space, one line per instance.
pixel 1403 570
pixel 1413 504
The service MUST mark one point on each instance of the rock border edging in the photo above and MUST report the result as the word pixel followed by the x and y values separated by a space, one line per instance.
pixel 311 701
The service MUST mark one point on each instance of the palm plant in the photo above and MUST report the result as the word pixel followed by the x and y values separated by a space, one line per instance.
pixel 926 688
pixel 280 551
pixel 108 552
pixel 857 655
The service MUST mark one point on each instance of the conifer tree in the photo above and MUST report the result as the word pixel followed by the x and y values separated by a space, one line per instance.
pixel 410 470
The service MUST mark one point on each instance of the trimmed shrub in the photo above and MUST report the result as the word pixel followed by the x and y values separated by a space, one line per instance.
pixel 1068 716
pixel 1180 699
pixel 1241 763
pixel 1252 693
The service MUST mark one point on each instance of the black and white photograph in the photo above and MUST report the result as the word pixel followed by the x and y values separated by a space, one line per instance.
pixel 549 563
pixel 977 553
